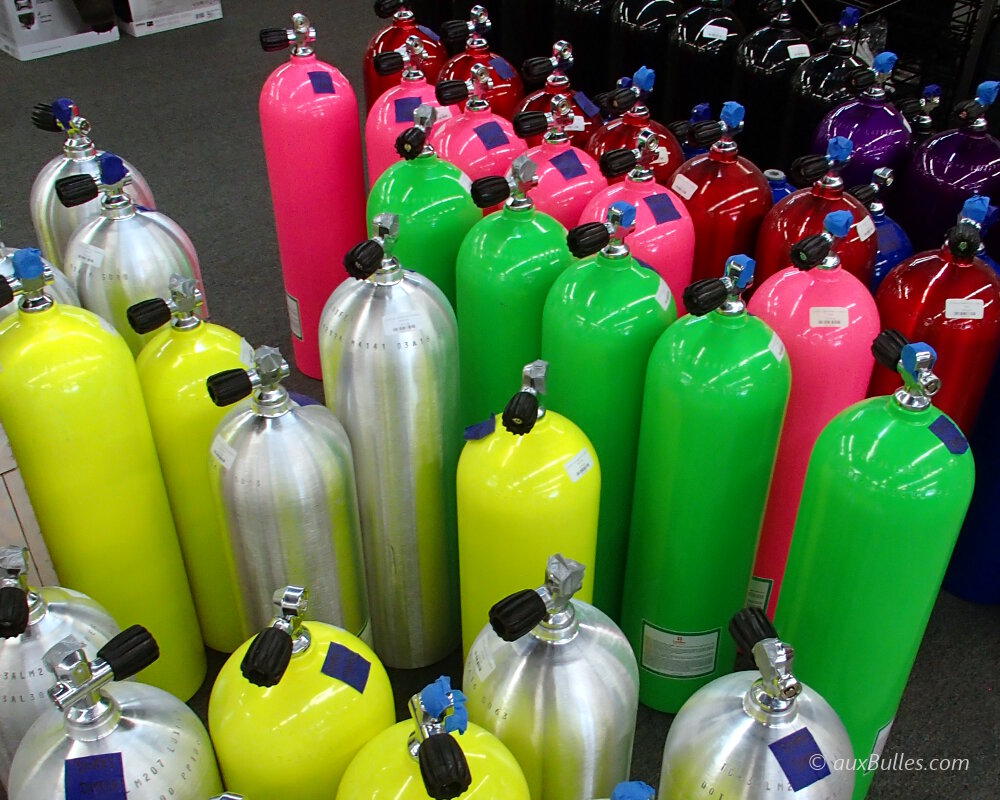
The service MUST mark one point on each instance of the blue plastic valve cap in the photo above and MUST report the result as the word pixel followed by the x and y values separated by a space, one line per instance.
pixel 28 263
pixel 838 223
pixel 885 62
pixel 627 211
pixel 63 109
pixel 850 17
pixel 434 697
pixel 748 264
pixel 458 720
pixel 113 169
pixel 909 356
pixel 732 114
pixel 839 148
pixel 701 113
pixel 633 790
pixel 644 78
pixel 976 208
pixel 986 92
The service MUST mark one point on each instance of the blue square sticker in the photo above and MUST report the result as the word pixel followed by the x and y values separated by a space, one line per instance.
pixel 948 432
pixel 345 665
pixel 587 106
pixel 405 107
pixel 491 135
pixel 662 208
pixel 428 33
pixel 502 67
pixel 800 759
pixel 481 429
pixel 568 164
pixel 322 82
pixel 95 777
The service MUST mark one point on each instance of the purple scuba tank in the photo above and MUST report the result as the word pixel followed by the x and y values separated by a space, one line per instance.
pixel 893 243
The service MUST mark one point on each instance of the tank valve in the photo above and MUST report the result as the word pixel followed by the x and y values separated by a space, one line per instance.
pixel 637 162
pixel 682 127
pixel 708 133
pixel 868 194
pixel 964 241
pixel 817 250
pixel 374 255
pixel 491 191
pixel 536 70
pixel 75 190
pixel 62 115
pixel 14 603
pixel 754 633
pixel 411 59
pixel 232 385
pixel 31 275
pixel 185 300
pixel 972 113
pixel 412 143
pixel 269 654
pixel 299 37
pixel 918 111
pixel 808 169
pixel 437 711
pixel 633 790
pixel 631 92
pixel 524 408
pixel 723 293
pixel 914 362
pixel 607 237
pixel 518 614
pixel 460 33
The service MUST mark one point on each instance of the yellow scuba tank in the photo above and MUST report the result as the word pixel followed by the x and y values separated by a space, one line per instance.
pixel 72 407
pixel 300 693
pixel 172 368
pixel 438 753
pixel 527 488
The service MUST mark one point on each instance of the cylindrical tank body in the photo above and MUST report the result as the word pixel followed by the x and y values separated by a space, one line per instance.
pixel 567 179
pixel 585 23
pixel 390 372
pixel 312 143
pixel 623 132
pixel 61 290
pixel 527 28
pixel 477 141
pixel 392 38
pixel 506 88
pixel 894 245
pixel 391 114
pixel 780 187
pixel 586 115
pixel 689 564
pixel 639 31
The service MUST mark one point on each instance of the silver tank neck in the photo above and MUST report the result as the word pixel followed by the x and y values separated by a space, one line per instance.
pixel 35 300
pixel 641 174
pixel 117 205
pixel 271 401
pixel 556 136
pixel 389 273
pixel 725 145
pixel 184 321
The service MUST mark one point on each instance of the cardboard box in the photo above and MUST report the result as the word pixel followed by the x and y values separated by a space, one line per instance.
pixel 32 29
pixel 143 17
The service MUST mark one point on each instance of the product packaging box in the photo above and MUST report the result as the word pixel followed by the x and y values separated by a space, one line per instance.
pixel 143 17
pixel 32 29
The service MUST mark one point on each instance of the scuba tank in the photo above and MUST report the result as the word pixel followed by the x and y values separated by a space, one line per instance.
pixel 527 671
pixel 893 243
pixel 62 291
pixel 663 235
pixel 639 31
pixel 725 194
pixel 31 621
pixel 298 692
pixel 826 319
pixel 623 132
pixel 282 476
pixel 172 369
pixel 947 168
pixel 524 491
pixel 585 23
pixel 757 732
pixel 919 114
pixel 55 223
pixel 951 299
pixel 586 114
pixel 766 59
pixel 780 187
pixel 682 128
pixel 433 197
pixel 111 736
pixel 878 131
pixel 527 28
pixel 892 476
pixel 124 255
pixel 72 407
pixel 505 268
pixel 397 37
pixel 477 141
pixel 392 112
pixel 429 755
pixel 716 370
pixel 505 87
pixel 601 319
pixel 390 372
pixel 802 213
pixel 567 176
pixel 312 143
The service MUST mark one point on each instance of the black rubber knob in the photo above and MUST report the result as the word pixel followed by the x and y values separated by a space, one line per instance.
pixel 43 118
pixel 530 123
pixel 386 8
pixel 860 78
pixel 969 110
pixel 864 194
pixel 521 413
pixel 888 348
pixel 620 100
pixel 749 626
pixel 147 316
pixel 450 93
pixel 810 252
pixel 807 169
pixel 388 63
pixel 680 129
pixel 601 99
pixel 273 39
pixel 231 386
pixel 443 767
pixel 410 143
pixel 488 192
pixel 615 163
pixel 964 240
pixel 75 190
pixel 130 652
pixel 517 614
pixel 705 134
pixel 6 293
pixel 537 69
pixel 909 107
pixel 13 612
pixel 363 260
pixel 454 35
pixel 587 239
pixel 704 296
pixel 267 658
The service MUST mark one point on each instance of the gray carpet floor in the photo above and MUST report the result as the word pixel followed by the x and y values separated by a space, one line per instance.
pixel 182 106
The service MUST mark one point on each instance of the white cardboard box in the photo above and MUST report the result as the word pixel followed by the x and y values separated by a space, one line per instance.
pixel 143 17
pixel 32 29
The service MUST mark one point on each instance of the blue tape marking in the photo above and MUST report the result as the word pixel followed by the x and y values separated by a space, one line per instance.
pixel 587 105
pixel 642 263
pixel 491 135
pixel 322 82
pixel 481 429
pixel 345 665
pixel 28 263
pixel 95 777
pixel 569 165
pixel 948 432
pixel 429 33
pixel 797 754
pixel 405 107
pixel 662 208
pixel 502 67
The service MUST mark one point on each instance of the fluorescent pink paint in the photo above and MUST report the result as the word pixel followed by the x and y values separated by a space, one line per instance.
pixel 390 115
pixel 568 179
pixel 478 142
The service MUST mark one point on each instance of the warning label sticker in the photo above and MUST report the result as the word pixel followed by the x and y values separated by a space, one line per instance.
pixel 679 655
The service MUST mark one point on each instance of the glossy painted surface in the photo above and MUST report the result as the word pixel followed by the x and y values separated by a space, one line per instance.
pixel 893 491
pixel 311 718
pixel 689 563
pixel 914 300
pixel 508 88
pixel 392 37
pixel 880 134
pixel 827 320
pixel 506 266
pixel 480 143
pixel 312 142
pixel 894 246
pixel 639 30
pixel 72 408
pixel 561 197
pixel 624 132
pixel 585 24
pixel 61 289
pixel 390 115
pixel 780 188
pixel 585 121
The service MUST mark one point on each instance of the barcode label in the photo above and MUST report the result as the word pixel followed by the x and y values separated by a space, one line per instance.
pixel 579 465
pixel 483 663
pixel 798 51
pixel 397 324
pixel 441 113
pixel 828 317
pixel 777 347
pixel 663 295
pixel 87 256
pixel 224 453
pixel 684 186
pixel 759 592
pixel 865 228
pixel 294 319
pixel 679 655
pixel 715 32
pixel 963 309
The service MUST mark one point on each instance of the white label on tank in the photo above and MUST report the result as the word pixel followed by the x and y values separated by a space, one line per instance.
pixel 829 317
pixel 715 32
pixel 679 655
pixel 294 319
pixel 759 592
pixel 442 113
pixel 578 124
pixel 777 347
pixel 466 182
pixel 684 186
pixel 663 294
pixel 483 663
pixel 224 453
pixel 798 51
pixel 865 228
pixel 662 155
pixel 880 739
pixel 963 309
pixel 87 256
pixel 246 353
pixel 401 324
pixel 579 465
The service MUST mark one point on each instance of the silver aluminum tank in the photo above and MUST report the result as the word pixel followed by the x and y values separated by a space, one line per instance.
pixel 31 622
pixel 284 476
pixel 61 290
pixel 105 737
pixel 757 735
pixel 55 223
pixel 389 354
pixel 556 681
pixel 124 254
